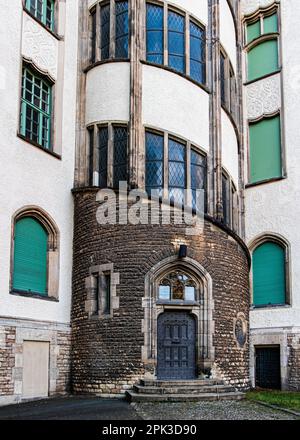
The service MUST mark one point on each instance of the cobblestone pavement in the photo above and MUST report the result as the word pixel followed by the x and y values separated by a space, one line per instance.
pixel 226 410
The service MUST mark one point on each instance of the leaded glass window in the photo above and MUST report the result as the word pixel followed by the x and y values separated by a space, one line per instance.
pixel 197 53
pixel 198 177
pixel 105 31
pixel 43 10
pixel 103 144
pixel 122 30
pixel 177 171
pixel 155 33
pixel 226 199
pixel 223 79
pixel 93 37
pixel 154 163
pixel 91 156
pixel 120 155
pixel 35 123
pixel 177 286
pixel 176 41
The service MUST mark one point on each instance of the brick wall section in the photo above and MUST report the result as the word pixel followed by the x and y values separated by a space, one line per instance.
pixel 106 354
pixel 294 362
pixel 7 360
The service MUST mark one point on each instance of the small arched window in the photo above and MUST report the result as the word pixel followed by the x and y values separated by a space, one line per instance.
pixel 35 259
pixel 269 274
pixel 177 286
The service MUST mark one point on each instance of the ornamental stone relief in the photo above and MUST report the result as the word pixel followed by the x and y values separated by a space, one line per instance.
pixel 263 97
pixel 250 6
pixel 39 46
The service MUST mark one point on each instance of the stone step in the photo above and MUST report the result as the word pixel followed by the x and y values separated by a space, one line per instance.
pixel 182 389
pixel 138 397
pixel 178 383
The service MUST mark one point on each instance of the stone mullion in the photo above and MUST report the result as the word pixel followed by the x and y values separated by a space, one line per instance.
pixel 166 61
pixel 112 25
pixel 110 156
pixel 136 143
pixel 187 44
pixel 98 33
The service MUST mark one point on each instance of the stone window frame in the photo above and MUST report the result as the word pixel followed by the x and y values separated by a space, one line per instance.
pixel 94 287
pixel 261 14
pixel 189 147
pixel 53 252
pixel 284 243
pixel 93 154
pixel 201 310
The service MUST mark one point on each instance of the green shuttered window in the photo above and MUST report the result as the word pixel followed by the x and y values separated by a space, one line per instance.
pixel 269 279
pixel 265 150
pixel 263 59
pixel 253 31
pixel 30 257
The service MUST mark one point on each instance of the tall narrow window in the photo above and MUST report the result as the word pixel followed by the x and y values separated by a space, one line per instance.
pixel 197 53
pixel 198 179
pixel 177 171
pixel 120 155
pixel 43 10
pixel 91 156
pixel 269 274
pixel 154 163
pixel 93 36
pixel 122 30
pixel 105 31
pixel 36 112
pixel 176 41
pixel 226 199
pixel 30 257
pixel 106 297
pixel 265 150
pixel 103 144
pixel 155 33
pixel 223 78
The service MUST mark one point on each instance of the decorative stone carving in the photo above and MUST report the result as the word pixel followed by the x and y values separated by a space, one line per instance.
pixel 240 330
pixel 250 6
pixel 39 46
pixel 264 97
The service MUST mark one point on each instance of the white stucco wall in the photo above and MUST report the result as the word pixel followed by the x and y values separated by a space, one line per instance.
pixel 173 103
pixel 227 32
pixel 29 176
pixel 107 93
pixel 274 207
pixel 198 8
pixel 230 158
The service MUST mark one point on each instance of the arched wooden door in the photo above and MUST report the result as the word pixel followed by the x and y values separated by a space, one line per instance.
pixel 176 346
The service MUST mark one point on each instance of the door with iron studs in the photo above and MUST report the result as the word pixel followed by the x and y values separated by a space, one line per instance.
pixel 176 346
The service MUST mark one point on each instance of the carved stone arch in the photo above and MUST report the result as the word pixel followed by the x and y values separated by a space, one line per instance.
pixel 285 244
pixel 52 249
pixel 201 309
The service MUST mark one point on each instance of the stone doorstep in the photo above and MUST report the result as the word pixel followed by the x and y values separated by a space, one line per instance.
pixel 137 397
pixel 166 383
pixel 187 389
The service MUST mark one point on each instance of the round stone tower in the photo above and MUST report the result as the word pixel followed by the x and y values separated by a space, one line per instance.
pixel 155 296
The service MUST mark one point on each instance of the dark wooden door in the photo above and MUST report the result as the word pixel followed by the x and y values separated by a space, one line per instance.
pixel 267 374
pixel 176 353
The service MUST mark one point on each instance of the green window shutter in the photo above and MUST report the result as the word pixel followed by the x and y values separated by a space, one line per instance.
pixel 253 31
pixel 269 281
pixel 265 149
pixel 271 24
pixel 30 257
pixel 263 59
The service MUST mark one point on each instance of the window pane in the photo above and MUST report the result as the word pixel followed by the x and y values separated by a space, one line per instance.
pixel 120 155
pixel 154 162
pixel 198 177
pixel 269 281
pixel 30 257
pixel 223 79
pixel 43 10
pixel 253 31
pixel 265 149
pixel 93 39
pixel 262 59
pixel 105 31
pixel 121 29
pixel 197 53
pixel 154 26
pixel 271 24
pixel 103 144
pixel 91 156
pixel 177 171
pixel 177 286
pixel 176 41
pixel 226 200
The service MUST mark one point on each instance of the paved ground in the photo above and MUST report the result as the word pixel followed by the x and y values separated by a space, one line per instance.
pixel 83 408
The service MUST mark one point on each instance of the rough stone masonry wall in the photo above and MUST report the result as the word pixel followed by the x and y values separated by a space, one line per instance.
pixel 294 362
pixel 7 360
pixel 106 353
